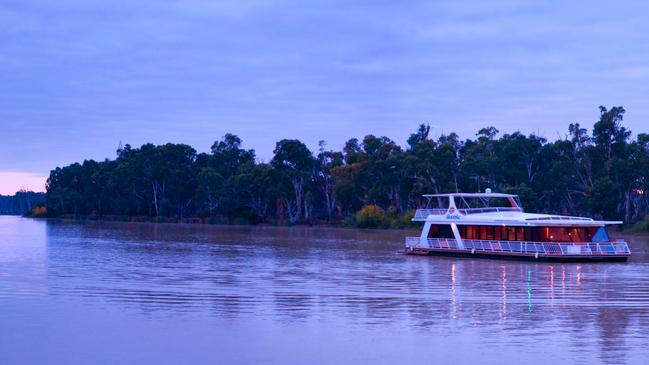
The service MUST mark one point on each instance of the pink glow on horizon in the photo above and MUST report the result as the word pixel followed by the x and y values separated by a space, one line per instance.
pixel 12 181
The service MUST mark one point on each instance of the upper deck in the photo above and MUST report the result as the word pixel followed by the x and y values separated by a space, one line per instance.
pixel 492 209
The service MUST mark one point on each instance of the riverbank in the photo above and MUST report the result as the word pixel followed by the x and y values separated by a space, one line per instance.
pixel 399 224
pixel 371 216
pixel 622 230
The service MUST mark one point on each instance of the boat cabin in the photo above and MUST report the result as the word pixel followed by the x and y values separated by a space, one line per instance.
pixel 496 224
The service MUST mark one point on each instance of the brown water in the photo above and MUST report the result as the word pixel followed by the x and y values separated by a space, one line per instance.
pixel 177 294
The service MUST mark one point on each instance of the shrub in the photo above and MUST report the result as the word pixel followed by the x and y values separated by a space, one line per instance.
pixel 371 216
pixel 642 226
pixel 37 211
pixel 404 220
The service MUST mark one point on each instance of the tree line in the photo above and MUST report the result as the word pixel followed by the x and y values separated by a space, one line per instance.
pixel 604 174
pixel 20 203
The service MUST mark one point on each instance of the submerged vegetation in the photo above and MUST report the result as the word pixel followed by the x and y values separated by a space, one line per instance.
pixel 373 182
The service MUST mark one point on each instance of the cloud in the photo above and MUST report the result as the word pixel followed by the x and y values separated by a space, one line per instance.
pixel 639 72
pixel 77 77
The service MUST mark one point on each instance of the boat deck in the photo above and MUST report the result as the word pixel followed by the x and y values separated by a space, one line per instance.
pixel 555 251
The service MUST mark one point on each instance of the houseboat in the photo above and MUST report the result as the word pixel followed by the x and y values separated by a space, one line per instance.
pixel 495 225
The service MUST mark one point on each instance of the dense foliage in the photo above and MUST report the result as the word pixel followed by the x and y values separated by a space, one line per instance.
pixel 20 203
pixel 604 174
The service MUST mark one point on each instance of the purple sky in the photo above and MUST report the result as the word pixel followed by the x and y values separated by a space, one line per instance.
pixel 78 77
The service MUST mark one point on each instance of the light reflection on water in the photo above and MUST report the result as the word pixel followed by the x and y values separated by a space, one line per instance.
pixel 283 295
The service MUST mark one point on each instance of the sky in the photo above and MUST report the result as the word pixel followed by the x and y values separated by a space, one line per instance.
pixel 78 77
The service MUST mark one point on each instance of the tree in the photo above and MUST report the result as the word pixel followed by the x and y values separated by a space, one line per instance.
pixel 252 192
pixel 420 136
pixel 431 166
pixel 294 164
pixel 608 131
pixel 327 161
pixel 228 155
pixel 209 190
pixel 487 134
pixel 605 174
pixel 381 171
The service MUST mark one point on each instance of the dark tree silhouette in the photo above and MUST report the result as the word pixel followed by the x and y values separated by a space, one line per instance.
pixel 605 175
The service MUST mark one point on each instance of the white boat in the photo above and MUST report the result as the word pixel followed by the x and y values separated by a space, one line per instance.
pixel 495 225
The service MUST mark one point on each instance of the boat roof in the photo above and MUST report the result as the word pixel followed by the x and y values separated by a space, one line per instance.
pixel 512 218
pixel 473 195
pixel 511 215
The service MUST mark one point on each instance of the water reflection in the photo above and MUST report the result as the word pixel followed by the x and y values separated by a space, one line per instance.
pixel 342 279
pixel 503 290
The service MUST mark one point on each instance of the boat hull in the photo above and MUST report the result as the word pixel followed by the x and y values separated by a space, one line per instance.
pixel 516 255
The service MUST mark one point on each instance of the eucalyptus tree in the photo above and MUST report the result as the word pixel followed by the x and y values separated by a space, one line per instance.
pixel 557 182
pixel 610 196
pixel 478 164
pixel 294 165
pixel 64 190
pixel 518 158
pixel 605 174
pixel 252 193
pixel 350 179
pixel 580 156
pixel 430 165
pixel 209 191
pixel 382 168
pixel 228 156
pixel 327 161
pixel 172 178
pixel 609 135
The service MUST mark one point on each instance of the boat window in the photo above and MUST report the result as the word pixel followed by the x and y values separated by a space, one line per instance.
pixel 484 203
pixel 498 230
pixel 517 199
pixel 570 234
pixel 534 234
pixel 440 231
pixel 558 234
pixel 529 234
pixel 498 202
pixel 469 232
pixel 493 233
pixel 601 235
pixel 483 232
pixel 511 233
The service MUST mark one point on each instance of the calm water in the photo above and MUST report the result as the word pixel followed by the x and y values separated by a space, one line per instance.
pixel 178 294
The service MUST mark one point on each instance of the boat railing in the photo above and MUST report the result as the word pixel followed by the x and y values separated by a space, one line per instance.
pixel 489 210
pixel 560 218
pixel 618 247
pixel 423 213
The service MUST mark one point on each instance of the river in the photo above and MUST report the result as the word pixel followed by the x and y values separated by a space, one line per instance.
pixel 130 293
